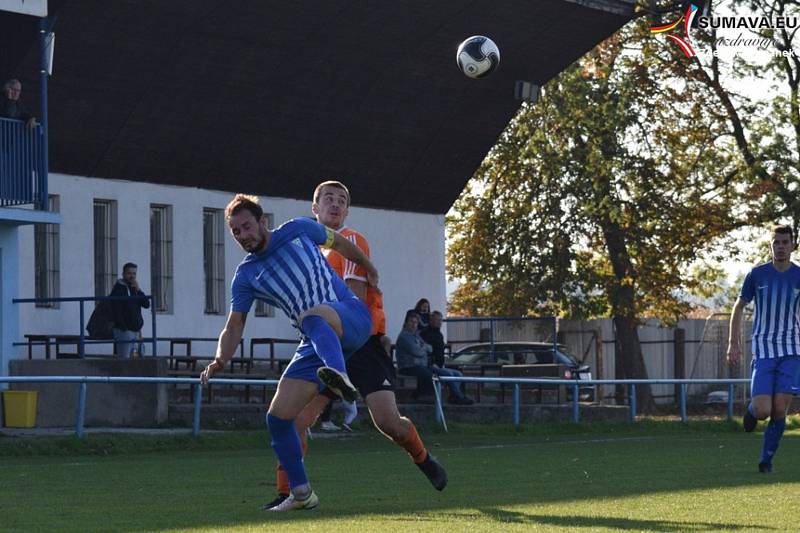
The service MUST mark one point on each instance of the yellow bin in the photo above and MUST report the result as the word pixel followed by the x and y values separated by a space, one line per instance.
pixel 19 408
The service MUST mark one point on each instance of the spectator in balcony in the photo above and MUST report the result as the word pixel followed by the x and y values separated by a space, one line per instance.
pixel 423 309
pixel 432 334
pixel 127 314
pixel 12 105
pixel 412 360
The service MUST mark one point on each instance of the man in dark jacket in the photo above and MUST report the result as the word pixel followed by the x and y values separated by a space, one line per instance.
pixel 12 106
pixel 432 334
pixel 127 314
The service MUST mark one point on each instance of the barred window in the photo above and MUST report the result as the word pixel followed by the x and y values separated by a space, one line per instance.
pixel 263 309
pixel 47 261
pixel 105 246
pixel 214 260
pixel 161 257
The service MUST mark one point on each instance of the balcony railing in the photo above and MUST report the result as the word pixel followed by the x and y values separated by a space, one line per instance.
pixel 23 172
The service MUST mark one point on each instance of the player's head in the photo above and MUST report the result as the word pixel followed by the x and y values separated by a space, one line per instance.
pixel 782 243
pixel 423 306
pixel 436 320
pixel 247 222
pixel 331 203
pixel 412 320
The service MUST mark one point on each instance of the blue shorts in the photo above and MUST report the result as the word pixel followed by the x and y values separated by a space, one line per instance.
pixel 356 327
pixel 774 376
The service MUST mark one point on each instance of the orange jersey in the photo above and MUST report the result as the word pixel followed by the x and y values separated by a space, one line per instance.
pixel 349 270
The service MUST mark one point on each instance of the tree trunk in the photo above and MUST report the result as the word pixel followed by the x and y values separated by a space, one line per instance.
pixel 623 310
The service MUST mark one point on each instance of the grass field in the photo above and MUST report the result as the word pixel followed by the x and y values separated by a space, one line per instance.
pixel 648 477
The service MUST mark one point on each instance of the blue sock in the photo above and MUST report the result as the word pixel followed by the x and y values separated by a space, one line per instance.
pixel 750 409
pixel 325 342
pixel 772 437
pixel 286 444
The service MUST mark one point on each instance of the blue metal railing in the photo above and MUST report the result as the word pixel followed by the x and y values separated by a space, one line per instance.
pixel 84 380
pixel 82 341
pixel 439 412
pixel 576 384
pixel 23 165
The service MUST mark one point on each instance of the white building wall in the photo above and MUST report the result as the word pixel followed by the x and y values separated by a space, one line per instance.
pixel 407 248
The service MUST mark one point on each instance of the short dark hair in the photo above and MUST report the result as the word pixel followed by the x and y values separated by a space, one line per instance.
pixel 331 183
pixel 436 313
pixel 126 266
pixel 241 202
pixel 783 228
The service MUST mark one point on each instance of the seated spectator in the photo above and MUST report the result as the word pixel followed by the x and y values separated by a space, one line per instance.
pixel 12 106
pixel 432 334
pixel 423 309
pixel 412 360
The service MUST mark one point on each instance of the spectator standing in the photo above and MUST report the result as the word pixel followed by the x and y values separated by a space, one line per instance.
pixel 423 309
pixel 127 314
pixel 12 106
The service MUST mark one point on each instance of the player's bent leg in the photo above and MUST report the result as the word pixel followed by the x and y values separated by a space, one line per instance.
pixel 382 407
pixel 761 406
pixel 322 325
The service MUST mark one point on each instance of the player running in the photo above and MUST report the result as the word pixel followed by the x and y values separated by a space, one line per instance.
pixel 370 368
pixel 286 269
pixel 775 287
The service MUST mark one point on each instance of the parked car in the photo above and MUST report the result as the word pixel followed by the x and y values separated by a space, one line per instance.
pixel 528 353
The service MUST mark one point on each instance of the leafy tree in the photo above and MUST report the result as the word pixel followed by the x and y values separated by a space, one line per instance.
pixel 595 200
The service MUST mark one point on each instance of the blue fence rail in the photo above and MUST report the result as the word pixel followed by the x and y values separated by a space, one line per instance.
pixel 23 165
pixel 576 384
pixel 82 381
pixel 82 340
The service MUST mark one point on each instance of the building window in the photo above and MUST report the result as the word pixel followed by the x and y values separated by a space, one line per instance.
pixel 263 309
pixel 214 260
pixel 47 261
pixel 105 246
pixel 161 257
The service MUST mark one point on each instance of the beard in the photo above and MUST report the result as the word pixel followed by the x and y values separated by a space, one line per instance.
pixel 255 245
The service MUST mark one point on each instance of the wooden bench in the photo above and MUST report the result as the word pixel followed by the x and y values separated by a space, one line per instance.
pixel 271 342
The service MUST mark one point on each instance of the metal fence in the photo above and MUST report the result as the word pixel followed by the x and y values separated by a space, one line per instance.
pixel 82 381
pixel 23 167
pixel 682 384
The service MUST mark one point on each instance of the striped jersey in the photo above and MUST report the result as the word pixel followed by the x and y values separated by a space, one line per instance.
pixel 776 324
pixel 291 274
pixel 349 270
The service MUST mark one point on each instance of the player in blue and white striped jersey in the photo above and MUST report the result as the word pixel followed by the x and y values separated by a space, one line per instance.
pixel 775 289
pixel 285 268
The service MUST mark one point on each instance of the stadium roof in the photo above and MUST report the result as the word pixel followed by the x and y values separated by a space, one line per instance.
pixel 270 97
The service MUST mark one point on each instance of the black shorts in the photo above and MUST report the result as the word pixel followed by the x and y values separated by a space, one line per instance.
pixel 370 368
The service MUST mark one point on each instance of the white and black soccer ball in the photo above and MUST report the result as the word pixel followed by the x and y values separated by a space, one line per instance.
pixel 478 56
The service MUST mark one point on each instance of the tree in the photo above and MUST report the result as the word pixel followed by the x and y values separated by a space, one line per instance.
pixel 596 200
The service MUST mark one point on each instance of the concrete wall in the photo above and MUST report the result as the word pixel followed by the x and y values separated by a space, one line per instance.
pixel 407 248
pixel 117 404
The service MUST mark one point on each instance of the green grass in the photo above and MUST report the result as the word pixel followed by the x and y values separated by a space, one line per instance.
pixel 654 476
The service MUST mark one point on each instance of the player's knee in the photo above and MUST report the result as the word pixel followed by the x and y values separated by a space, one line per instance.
pixel 392 426
pixel 761 411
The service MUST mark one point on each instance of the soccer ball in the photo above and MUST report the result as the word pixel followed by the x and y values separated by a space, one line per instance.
pixel 478 56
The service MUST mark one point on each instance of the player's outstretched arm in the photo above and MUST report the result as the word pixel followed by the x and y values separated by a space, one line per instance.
pixel 353 253
pixel 229 340
pixel 735 332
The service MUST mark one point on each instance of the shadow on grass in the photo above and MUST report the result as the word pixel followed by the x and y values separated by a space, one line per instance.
pixel 626 524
